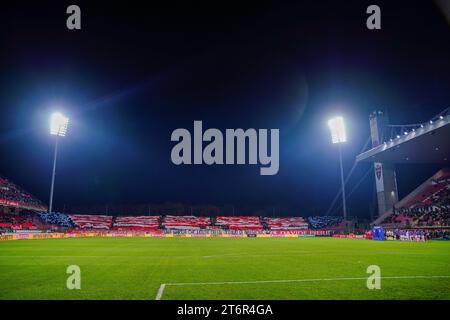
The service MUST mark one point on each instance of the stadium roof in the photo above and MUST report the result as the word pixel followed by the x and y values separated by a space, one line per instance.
pixel 426 144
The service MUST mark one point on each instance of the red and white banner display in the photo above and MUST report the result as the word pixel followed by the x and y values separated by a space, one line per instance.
pixel 295 223
pixel 239 223
pixel 136 222
pixel 185 222
pixel 91 221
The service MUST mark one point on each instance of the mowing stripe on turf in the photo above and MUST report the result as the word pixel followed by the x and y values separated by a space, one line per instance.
pixel 163 285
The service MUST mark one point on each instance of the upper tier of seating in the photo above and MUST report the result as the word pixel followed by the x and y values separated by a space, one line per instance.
pixel 295 223
pixel 136 223
pixel 434 194
pixel 91 221
pixel 185 222
pixel 13 195
pixel 429 206
pixel 239 223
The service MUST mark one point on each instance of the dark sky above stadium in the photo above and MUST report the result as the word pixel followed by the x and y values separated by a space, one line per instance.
pixel 136 71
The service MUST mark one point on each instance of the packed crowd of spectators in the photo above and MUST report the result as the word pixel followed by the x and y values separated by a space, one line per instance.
pixel 431 210
pixel 441 234
pixel 12 222
pixel 11 194
pixel 420 216
pixel 441 198
pixel 170 222
pixel 56 218
pixel 322 222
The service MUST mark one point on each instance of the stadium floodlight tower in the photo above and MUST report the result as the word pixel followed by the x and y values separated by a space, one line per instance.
pixel 58 128
pixel 339 136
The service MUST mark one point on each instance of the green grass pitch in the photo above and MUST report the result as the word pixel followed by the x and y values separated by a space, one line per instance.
pixel 135 268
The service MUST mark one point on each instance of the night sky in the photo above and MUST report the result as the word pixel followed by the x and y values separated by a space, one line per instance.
pixel 135 73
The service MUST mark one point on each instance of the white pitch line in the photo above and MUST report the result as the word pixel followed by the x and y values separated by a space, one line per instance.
pixel 163 286
pixel 160 291
pixel 295 280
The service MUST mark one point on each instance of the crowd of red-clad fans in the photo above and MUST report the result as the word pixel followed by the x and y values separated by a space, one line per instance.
pixel 16 222
pixel 12 195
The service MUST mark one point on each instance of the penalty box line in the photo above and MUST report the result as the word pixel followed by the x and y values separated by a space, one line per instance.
pixel 164 285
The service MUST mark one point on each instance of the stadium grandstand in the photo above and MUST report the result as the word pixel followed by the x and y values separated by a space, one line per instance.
pixel 23 213
pixel 422 143
pixel 428 206
pixel 14 198
pixel 14 222
pixel 35 221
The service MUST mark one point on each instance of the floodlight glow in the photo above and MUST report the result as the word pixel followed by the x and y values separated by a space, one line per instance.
pixel 337 128
pixel 58 124
pixel 441 117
